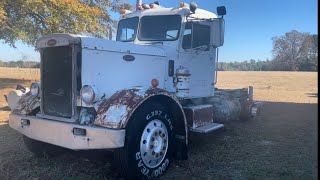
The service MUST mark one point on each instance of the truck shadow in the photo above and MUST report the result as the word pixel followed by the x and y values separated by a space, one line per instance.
pixel 273 116
pixel 283 132
pixel 280 142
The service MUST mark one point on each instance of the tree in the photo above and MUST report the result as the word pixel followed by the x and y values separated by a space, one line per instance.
pixel 27 20
pixel 291 50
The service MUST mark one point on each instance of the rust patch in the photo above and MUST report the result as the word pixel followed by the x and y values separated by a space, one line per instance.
pixel 115 111
pixel 124 100
pixel 26 104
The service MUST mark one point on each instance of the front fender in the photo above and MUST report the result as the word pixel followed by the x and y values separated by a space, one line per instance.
pixel 116 111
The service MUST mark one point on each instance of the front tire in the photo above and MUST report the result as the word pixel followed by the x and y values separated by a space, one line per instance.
pixel 149 143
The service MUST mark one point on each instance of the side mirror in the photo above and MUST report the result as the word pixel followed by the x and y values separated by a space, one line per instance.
pixel 217 32
pixel 221 10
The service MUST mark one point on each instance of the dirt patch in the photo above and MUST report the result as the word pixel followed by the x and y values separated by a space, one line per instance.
pixel 281 143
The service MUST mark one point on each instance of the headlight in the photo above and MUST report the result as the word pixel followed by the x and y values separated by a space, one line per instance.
pixel 35 89
pixel 88 94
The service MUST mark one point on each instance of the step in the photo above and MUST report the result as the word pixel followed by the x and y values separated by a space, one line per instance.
pixel 207 128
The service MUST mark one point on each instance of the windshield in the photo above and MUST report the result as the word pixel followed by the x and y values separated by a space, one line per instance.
pixel 127 29
pixel 159 28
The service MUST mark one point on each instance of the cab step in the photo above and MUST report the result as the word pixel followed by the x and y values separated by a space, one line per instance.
pixel 207 128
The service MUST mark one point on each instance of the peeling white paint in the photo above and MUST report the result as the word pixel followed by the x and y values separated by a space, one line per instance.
pixel 116 113
pixel 141 91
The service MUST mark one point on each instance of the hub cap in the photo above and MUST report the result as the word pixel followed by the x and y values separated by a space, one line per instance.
pixel 154 143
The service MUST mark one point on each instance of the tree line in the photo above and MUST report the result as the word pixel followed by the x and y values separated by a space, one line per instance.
pixel 20 64
pixel 294 51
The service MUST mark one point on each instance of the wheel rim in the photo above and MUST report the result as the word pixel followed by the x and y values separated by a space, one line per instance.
pixel 154 143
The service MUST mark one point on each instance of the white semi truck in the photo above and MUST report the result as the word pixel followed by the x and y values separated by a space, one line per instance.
pixel 139 96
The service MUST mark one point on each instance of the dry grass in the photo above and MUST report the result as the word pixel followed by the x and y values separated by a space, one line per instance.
pixel 20 73
pixel 9 78
pixel 279 144
pixel 297 87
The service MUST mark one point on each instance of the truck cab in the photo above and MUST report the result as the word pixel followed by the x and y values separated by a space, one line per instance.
pixel 139 96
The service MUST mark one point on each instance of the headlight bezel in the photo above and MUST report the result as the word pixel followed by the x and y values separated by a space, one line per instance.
pixel 35 89
pixel 88 94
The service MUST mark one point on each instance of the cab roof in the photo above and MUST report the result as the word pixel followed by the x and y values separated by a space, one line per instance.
pixel 184 11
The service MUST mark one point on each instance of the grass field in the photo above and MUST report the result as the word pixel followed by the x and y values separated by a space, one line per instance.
pixel 281 143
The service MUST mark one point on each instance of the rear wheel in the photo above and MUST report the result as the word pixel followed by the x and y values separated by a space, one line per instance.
pixel 148 148
pixel 41 149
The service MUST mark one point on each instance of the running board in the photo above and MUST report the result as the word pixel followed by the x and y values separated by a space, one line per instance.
pixel 207 128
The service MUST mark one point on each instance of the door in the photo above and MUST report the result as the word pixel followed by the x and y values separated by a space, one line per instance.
pixel 198 56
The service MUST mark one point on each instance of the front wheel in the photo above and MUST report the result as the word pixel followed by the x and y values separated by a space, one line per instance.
pixel 148 148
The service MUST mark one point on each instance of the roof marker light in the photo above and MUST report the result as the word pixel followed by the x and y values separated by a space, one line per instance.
pixel 145 6
pixel 193 7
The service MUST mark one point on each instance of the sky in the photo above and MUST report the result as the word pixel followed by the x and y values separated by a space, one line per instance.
pixel 249 26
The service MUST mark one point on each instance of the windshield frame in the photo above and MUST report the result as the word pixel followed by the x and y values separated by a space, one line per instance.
pixel 178 33
pixel 136 31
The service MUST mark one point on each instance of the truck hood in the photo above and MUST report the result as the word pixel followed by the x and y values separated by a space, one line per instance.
pixel 117 46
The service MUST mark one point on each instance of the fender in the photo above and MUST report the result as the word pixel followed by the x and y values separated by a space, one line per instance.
pixel 116 111
pixel 26 104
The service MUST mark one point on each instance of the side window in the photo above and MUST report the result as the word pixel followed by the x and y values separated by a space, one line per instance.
pixel 187 37
pixel 201 36
pixel 196 35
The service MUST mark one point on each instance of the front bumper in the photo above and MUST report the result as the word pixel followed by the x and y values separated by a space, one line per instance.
pixel 62 134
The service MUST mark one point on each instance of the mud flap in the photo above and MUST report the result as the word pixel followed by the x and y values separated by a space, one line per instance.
pixel 181 149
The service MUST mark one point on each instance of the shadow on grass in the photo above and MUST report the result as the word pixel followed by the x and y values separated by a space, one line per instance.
pixel 315 95
pixel 5 108
pixel 7 82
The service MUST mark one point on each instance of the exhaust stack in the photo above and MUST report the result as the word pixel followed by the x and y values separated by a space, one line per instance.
pixel 139 2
